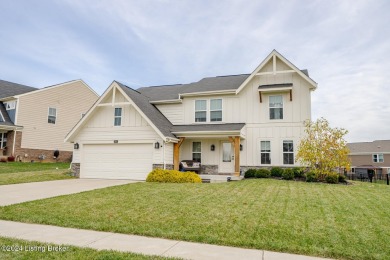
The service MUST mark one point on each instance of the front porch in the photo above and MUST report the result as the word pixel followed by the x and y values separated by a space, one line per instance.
pixel 218 149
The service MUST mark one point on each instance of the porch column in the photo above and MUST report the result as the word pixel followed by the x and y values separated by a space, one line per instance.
pixel 237 155
pixel 176 153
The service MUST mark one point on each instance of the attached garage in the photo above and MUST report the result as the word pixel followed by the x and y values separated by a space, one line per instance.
pixel 116 161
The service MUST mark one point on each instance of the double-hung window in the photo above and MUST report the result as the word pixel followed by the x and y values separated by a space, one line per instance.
pixel 197 151
pixel 265 152
pixel 118 116
pixel 288 152
pixel 378 158
pixel 215 110
pixel 200 110
pixel 276 107
pixel 52 115
pixel 3 140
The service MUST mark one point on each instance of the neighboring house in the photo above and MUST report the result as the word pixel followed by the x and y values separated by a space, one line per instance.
pixel 228 124
pixel 366 156
pixel 34 122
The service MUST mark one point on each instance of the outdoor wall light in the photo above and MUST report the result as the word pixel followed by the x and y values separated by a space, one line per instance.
pixel 240 147
pixel 156 145
pixel 212 147
pixel 76 146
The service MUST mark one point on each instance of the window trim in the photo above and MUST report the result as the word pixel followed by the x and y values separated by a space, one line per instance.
pixel 6 104
pixel 55 116
pixel 192 150
pixel 200 111
pixel 269 107
pixel 2 140
pixel 215 110
pixel 261 152
pixel 377 157
pixel 115 116
pixel 283 152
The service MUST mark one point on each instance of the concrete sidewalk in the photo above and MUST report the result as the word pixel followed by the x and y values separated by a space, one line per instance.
pixel 136 244
pixel 18 193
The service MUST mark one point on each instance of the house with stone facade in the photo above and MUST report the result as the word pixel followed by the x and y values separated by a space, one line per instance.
pixel 34 122
pixel 226 124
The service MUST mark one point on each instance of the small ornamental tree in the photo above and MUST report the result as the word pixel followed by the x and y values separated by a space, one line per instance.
pixel 323 149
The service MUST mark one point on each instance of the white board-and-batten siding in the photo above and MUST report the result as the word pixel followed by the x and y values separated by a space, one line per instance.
pixel 70 100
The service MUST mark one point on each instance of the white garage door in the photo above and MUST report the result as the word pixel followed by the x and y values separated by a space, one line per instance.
pixel 116 161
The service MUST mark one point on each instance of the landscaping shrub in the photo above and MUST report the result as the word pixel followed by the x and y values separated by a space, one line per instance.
pixel 311 177
pixel 288 174
pixel 298 172
pixel 250 173
pixel 172 176
pixel 276 172
pixel 262 173
pixel 332 178
pixel 11 158
pixel 3 160
pixel 342 178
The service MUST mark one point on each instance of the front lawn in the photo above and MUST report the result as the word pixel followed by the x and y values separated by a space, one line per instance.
pixel 15 172
pixel 338 221
pixel 22 249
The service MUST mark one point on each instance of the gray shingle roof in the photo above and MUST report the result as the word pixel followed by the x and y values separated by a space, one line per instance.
pixel 207 127
pixel 170 92
pixel 378 146
pixel 7 120
pixel 158 119
pixel 9 89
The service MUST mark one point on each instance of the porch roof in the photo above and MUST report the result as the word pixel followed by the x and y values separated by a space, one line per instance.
pixel 208 129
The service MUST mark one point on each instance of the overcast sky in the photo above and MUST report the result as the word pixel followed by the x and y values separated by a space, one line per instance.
pixel 345 45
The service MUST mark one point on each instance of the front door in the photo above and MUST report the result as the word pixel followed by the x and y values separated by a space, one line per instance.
pixel 226 164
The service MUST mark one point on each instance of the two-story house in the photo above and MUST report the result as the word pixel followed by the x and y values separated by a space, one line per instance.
pixel 370 156
pixel 227 123
pixel 34 122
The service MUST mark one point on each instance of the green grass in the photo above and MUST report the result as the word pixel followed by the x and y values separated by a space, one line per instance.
pixel 337 221
pixel 67 252
pixel 13 173
pixel 12 167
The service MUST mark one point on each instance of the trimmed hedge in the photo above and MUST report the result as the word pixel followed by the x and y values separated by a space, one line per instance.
pixel 332 178
pixel 276 172
pixel 250 173
pixel 262 173
pixel 311 177
pixel 172 176
pixel 288 174
pixel 298 172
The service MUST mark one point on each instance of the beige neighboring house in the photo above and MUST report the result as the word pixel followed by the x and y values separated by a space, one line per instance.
pixel 366 156
pixel 34 122
pixel 227 124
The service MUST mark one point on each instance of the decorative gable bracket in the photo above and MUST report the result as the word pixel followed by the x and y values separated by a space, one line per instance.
pixel 275 88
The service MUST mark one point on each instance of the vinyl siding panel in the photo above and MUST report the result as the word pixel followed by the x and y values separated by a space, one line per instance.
pixel 173 112
pixel 71 100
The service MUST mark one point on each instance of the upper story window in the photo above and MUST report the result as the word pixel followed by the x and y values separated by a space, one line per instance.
pixel 118 116
pixel 215 110
pixel 377 158
pixel 196 151
pixel 288 152
pixel 276 107
pixel 265 152
pixel 208 110
pixel 10 105
pixel 200 110
pixel 52 116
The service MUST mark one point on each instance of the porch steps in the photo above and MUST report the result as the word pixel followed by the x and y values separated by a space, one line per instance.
pixel 209 178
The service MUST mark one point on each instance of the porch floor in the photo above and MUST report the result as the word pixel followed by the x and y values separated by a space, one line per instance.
pixel 219 178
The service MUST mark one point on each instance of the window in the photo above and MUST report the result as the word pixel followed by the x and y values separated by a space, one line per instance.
pixel 378 158
pixel 10 105
pixel 288 152
pixel 200 110
pixel 265 152
pixel 276 107
pixel 51 118
pixel 3 140
pixel 215 110
pixel 118 116
pixel 196 151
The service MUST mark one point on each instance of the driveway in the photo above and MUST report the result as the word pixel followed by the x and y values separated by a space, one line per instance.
pixel 17 193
